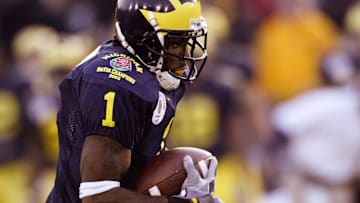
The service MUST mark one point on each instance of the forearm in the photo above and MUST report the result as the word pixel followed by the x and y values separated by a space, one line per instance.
pixel 123 195
pixel 106 159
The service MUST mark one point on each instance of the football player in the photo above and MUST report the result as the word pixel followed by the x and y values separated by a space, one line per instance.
pixel 117 105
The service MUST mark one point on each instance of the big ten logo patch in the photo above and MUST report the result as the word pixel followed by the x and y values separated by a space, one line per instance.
pixel 160 110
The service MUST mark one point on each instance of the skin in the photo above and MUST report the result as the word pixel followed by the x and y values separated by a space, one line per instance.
pixel 176 46
pixel 106 159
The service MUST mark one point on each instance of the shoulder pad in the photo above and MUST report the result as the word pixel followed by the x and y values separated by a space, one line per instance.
pixel 114 66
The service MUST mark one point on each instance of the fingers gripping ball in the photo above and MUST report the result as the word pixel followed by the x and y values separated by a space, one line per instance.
pixel 196 184
pixel 165 174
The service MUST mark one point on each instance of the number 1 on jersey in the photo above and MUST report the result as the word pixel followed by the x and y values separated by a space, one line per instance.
pixel 110 99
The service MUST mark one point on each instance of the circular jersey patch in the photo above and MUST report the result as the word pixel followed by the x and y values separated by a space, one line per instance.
pixel 121 64
pixel 159 112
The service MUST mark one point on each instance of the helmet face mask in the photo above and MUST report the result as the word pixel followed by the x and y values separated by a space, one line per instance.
pixel 149 27
pixel 193 55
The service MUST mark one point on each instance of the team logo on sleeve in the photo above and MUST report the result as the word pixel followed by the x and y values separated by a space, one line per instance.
pixel 121 64
pixel 159 112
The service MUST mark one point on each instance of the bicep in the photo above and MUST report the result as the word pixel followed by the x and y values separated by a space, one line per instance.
pixel 103 158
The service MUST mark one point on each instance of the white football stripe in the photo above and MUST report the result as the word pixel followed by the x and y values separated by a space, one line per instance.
pixel 154 191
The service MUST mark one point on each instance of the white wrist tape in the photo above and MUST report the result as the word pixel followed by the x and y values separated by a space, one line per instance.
pixel 87 189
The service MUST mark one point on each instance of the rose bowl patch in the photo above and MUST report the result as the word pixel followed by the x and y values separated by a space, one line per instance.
pixel 121 64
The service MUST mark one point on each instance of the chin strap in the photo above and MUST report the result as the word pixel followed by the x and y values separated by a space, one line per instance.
pixel 167 81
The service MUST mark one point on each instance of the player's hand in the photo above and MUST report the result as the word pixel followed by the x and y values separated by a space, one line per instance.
pixel 195 185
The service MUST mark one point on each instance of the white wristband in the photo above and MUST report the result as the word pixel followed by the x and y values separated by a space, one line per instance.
pixel 87 189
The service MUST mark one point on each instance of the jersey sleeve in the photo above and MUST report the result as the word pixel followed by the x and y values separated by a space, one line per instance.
pixel 112 111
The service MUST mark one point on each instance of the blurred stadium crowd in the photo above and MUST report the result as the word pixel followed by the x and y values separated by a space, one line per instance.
pixel 278 102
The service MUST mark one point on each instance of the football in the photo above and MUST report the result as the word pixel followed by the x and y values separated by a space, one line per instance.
pixel 165 174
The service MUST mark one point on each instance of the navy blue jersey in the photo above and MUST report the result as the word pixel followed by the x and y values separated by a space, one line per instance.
pixel 110 94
